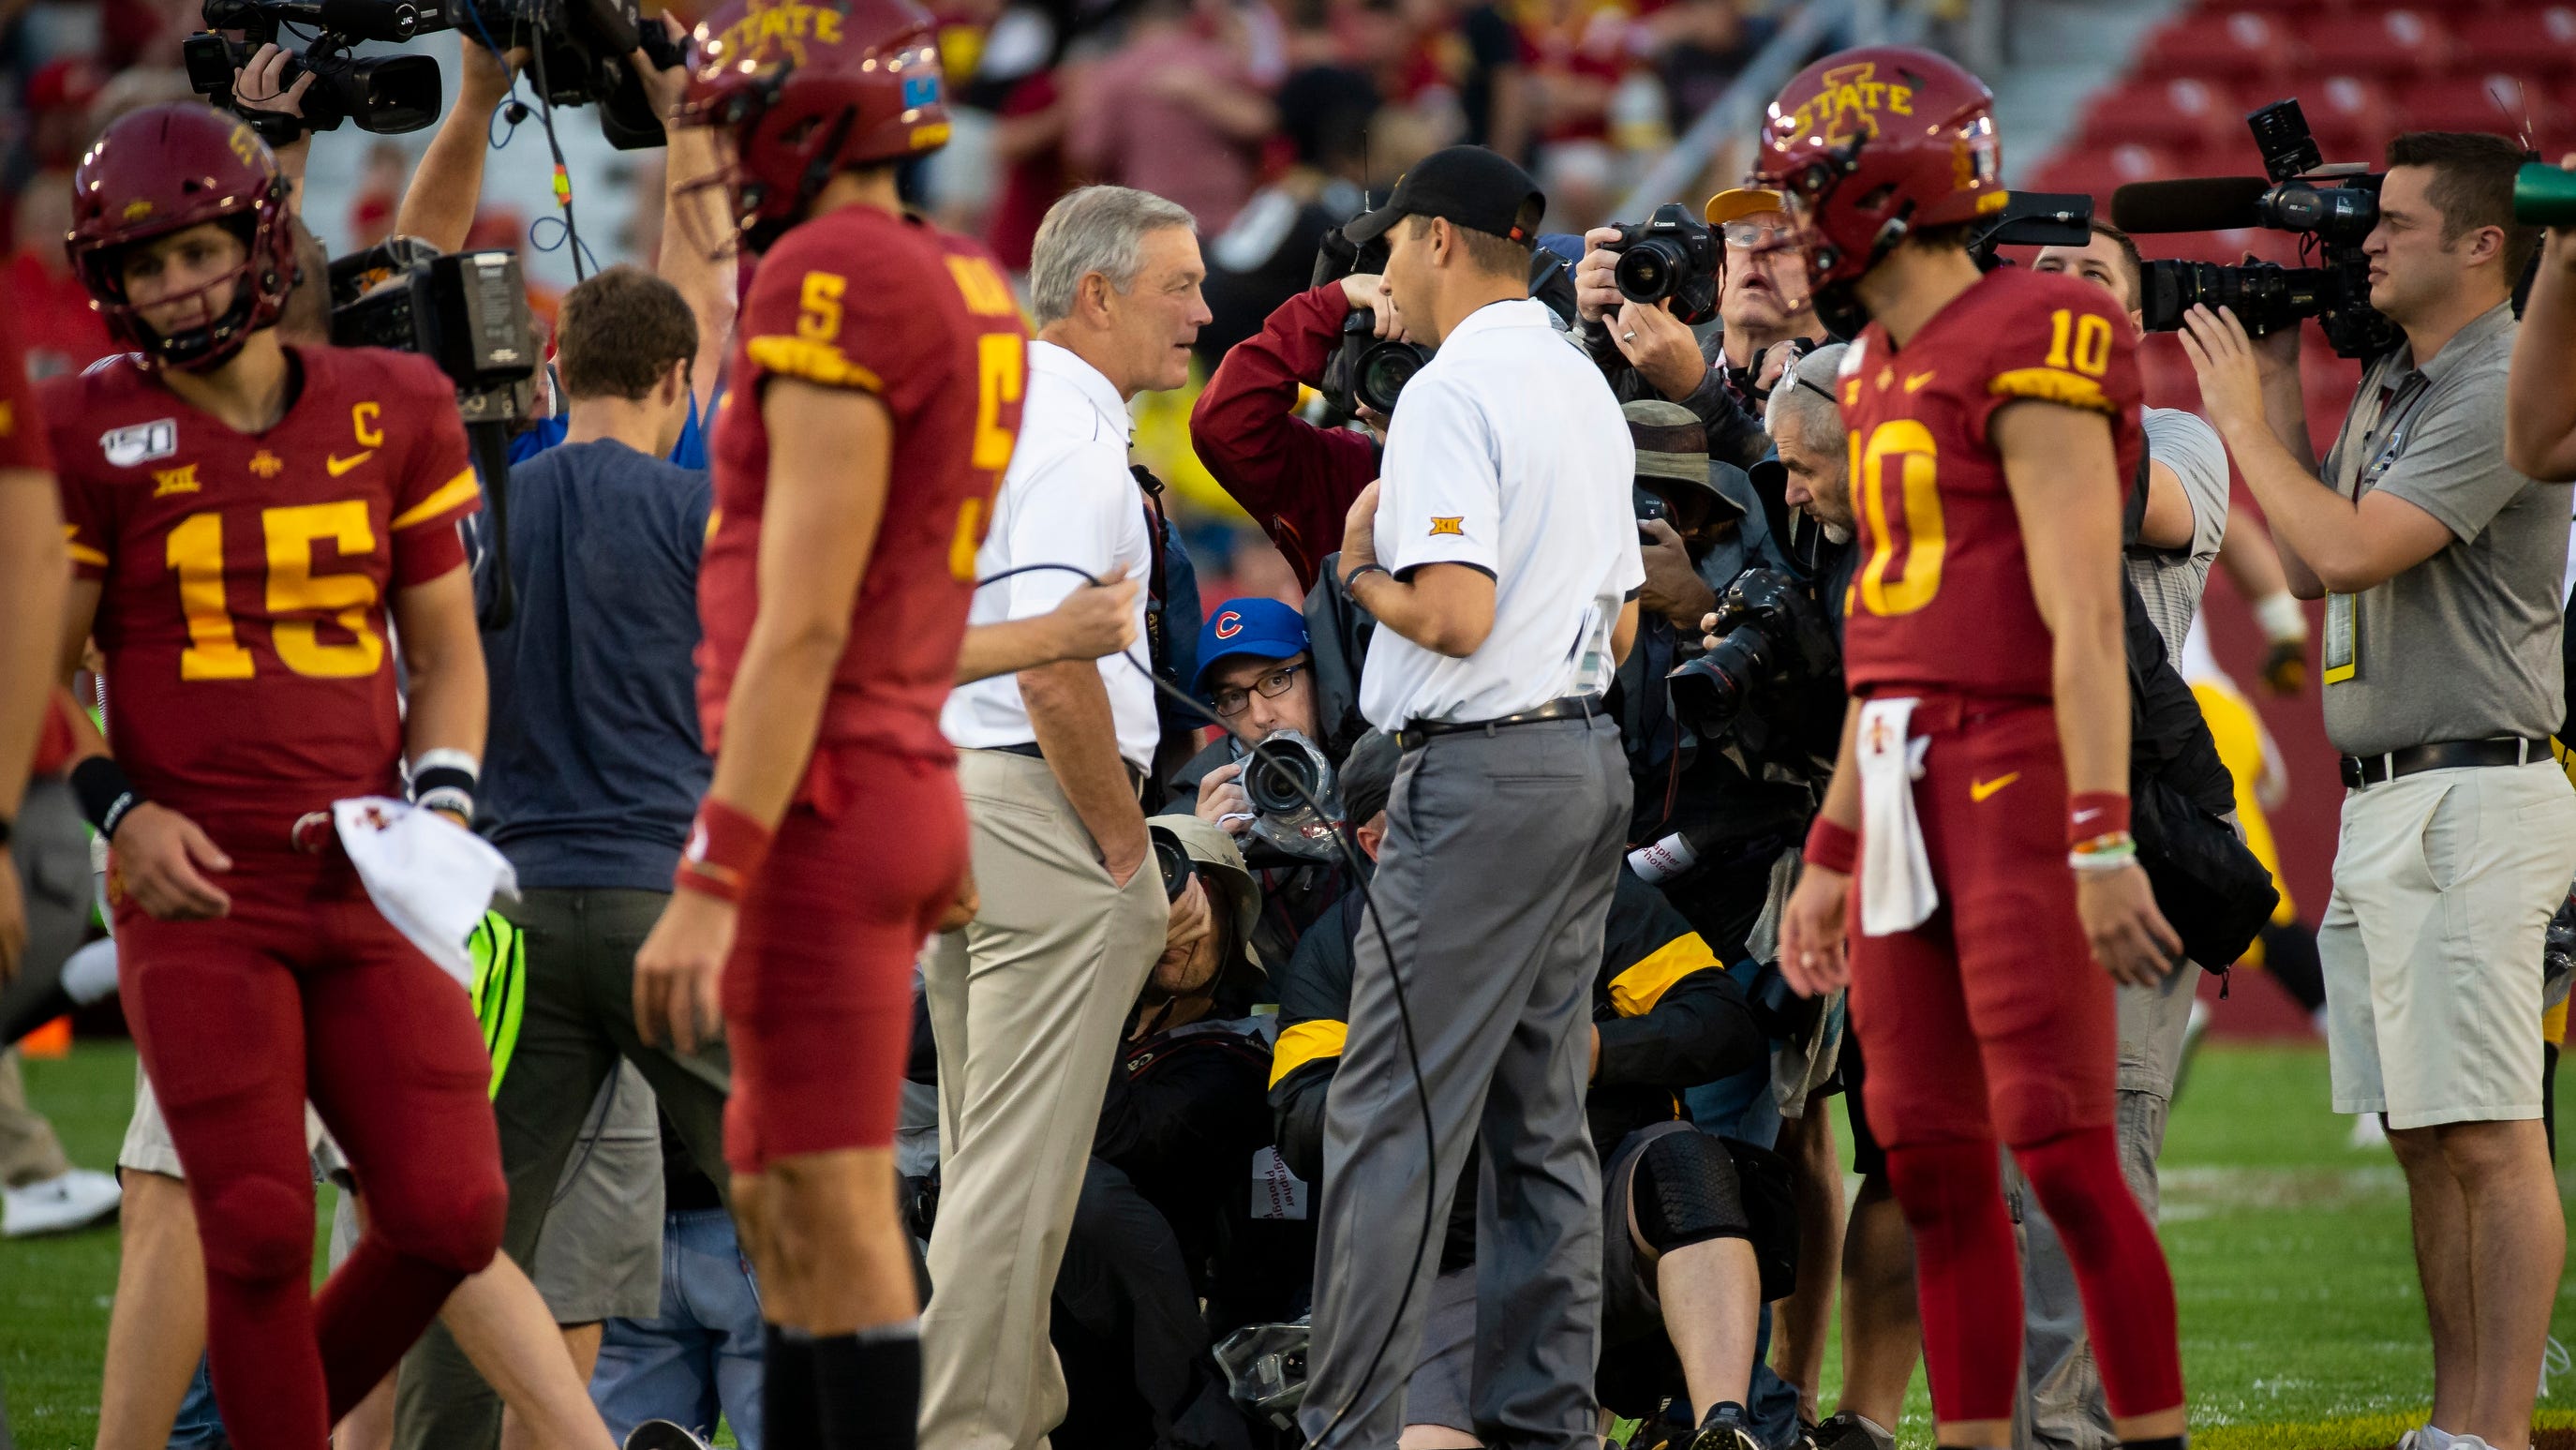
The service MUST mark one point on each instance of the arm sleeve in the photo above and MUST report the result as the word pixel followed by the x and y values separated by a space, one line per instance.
pixel 1673 1017
pixel 1295 479
pixel 1441 492
pixel 2453 468
pixel 437 489
pixel 2190 447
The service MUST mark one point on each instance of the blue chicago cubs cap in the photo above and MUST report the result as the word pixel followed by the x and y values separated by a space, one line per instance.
pixel 1262 628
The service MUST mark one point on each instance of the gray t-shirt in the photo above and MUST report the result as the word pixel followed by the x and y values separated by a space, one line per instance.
pixel 2171 580
pixel 2463 646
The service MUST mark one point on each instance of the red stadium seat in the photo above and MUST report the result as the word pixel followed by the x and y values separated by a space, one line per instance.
pixel 2392 43
pixel 2098 170
pixel 2498 102
pixel 2520 38
pixel 2185 112
pixel 2222 43
pixel 2351 116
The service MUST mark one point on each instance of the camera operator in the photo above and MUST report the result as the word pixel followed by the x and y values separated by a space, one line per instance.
pixel 1257 672
pixel 2441 567
pixel 1687 1250
pixel 1765 320
pixel 1297 480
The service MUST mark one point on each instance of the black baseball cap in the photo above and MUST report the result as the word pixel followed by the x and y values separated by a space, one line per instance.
pixel 1481 190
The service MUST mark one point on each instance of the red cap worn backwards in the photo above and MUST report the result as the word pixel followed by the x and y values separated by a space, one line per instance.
pixel 1874 144
pixel 805 90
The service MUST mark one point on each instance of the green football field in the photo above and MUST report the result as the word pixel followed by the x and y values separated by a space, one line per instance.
pixel 2301 1322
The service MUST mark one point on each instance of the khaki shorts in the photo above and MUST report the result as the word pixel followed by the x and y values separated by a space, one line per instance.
pixel 2444 884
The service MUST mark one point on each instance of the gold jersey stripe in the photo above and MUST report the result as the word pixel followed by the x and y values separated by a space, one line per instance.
pixel 2051 385
pixel 815 362
pixel 455 491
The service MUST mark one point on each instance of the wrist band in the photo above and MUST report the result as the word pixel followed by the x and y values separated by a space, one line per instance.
pixel 2095 813
pixel 2104 853
pixel 1353 577
pixel 2281 617
pixel 444 780
pixel 106 796
pixel 1832 846
pixel 725 850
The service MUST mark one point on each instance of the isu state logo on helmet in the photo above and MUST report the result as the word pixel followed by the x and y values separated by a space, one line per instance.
pixel 165 169
pixel 805 90
pixel 1872 145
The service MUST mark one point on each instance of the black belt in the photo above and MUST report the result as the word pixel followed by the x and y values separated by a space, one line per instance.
pixel 1135 777
pixel 1573 707
pixel 2362 770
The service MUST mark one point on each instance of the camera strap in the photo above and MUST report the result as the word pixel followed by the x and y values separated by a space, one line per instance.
pixel 1158 646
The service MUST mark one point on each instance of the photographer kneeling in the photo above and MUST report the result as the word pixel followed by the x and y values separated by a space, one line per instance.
pixel 1740 268
pixel 1257 671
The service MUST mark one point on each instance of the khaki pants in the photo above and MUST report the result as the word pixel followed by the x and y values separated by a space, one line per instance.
pixel 1026 1005
pixel 29 1151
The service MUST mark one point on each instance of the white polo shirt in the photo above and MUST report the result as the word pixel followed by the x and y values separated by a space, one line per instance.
pixel 1067 498
pixel 1508 454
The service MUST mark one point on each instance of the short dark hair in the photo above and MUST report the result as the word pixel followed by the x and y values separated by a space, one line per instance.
pixel 1488 251
pixel 619 332
pixel 2472 187
pixel 2130 258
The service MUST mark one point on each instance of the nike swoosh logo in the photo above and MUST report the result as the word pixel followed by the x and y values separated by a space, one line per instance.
pixel 1913 383
pixel 1980 789
pixel 339 465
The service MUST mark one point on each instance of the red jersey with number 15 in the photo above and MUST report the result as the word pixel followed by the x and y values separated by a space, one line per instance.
pixel 1942 599
pixel 245 575
pixel 863 299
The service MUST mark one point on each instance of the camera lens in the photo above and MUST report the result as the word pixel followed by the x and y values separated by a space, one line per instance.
pixel 1382 373
pixel 1174 862
pixel 1646 271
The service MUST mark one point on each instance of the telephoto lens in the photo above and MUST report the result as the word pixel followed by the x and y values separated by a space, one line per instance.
pixel 1173 859
pixel 2545 195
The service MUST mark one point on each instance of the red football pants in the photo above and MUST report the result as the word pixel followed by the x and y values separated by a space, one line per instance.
pixel 305 990
pixel 818 990
pixel 1992 1021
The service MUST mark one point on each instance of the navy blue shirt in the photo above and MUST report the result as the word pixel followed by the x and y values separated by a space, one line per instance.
pixel 594 764
pixel 545 433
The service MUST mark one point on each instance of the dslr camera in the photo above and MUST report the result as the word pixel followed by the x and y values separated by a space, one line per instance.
pixel 1671 256
pixel 387 94
pixel 2330 209
pixel 1769 631
pixel 1365 370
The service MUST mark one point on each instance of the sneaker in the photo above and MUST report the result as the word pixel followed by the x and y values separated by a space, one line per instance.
pixel 1724 1429
pixel 65 1203
pixel 1847 1431
pixel 662 1435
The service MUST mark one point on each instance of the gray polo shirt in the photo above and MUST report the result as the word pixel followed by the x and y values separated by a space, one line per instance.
pixel 2463 646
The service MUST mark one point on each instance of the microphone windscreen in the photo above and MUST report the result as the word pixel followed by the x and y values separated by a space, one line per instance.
pixel 2191 204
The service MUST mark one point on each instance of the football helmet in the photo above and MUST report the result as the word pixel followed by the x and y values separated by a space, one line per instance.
pixel 806 88
pixel 1872 145
pixel 164 169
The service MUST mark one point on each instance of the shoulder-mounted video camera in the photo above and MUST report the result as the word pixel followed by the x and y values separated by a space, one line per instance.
pixel 387 94
pixel 465 311
pixel 1671 256
pixel 577 55
pixel 2329 208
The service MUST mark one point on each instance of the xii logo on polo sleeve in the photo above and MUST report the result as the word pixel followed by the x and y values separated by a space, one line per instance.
pixel 1454 525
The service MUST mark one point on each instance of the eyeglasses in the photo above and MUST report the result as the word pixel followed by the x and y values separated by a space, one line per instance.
pixel 1749 237
pixel 1231 700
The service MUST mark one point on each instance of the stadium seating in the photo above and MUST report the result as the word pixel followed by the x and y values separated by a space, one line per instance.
pixel 2362 71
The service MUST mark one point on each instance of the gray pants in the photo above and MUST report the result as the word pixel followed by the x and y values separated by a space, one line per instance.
pixel 1493 889
pixel 2063 1407
pixel 579 1021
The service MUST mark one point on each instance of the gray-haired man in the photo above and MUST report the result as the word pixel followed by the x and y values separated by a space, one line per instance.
pixel 1026 1003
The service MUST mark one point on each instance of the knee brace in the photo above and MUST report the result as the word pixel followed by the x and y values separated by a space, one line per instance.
pixel 1685 1192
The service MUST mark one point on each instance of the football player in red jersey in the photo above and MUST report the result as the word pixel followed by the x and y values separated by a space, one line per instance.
pixel 245 519
pixel 1981 797
pixel 874 402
